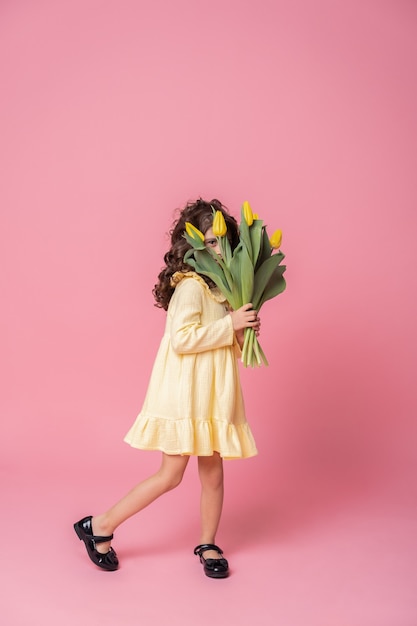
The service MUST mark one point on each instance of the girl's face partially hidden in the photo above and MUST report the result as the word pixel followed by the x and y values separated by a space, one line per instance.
pixel 211 241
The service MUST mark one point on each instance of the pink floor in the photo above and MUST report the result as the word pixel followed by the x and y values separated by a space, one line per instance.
pixel 308 561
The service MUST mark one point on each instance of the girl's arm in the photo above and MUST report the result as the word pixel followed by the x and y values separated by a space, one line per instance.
pixel 245 317
pixel 188 335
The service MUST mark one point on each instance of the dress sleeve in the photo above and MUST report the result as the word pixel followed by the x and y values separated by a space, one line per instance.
pixel 237 348
pixel 188 335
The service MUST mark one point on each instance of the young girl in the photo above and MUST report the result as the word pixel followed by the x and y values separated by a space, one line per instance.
pixel 194 404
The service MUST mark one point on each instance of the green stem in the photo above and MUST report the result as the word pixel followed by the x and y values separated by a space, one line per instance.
pixel 256 351
pixel 250 351
pixel 248 360
pixel 264 359
pixel 245 347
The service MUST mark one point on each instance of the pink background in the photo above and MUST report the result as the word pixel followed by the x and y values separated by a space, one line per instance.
pixel 113 114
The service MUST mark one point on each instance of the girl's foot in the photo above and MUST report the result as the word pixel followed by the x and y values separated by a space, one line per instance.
pixel 107 561
pixel 214 567
pixel 212 554
pixel 99 529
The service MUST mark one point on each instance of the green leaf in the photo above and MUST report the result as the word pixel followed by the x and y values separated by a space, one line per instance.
pixel 246 276
pixel 234 268
pixel 234 265
pixel 265 249
pixel 225 249
pixel 275 286
pixel 241 270
pixel 197 243
pixel 245 234
pixel 255 232
pixel 189 260
pixel 263 276
pixel 205 264
pixel 221 265
pixel 189 256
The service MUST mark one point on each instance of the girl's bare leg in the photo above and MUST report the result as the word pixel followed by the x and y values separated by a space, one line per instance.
pixel 210 469
pixel 166 478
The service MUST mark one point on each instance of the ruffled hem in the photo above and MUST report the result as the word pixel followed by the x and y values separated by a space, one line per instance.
pixel 214 292
pixel 191 437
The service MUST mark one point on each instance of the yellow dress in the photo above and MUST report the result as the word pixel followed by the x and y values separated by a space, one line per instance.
pixel 194 403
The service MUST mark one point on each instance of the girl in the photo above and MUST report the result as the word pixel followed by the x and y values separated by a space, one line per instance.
pixel 194 404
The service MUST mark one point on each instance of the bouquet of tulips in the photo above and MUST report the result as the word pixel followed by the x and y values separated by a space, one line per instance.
pixel 251 273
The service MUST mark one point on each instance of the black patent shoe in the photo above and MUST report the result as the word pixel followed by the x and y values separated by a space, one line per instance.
pixel 214 568
pixel 107 561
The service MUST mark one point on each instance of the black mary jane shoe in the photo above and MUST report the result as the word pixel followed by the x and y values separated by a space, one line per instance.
pixel 214 568
pixel 84 530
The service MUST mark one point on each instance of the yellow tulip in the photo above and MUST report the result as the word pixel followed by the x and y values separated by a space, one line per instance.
pixel 255 216
pixel 219 225
pixel 192 231
pixel 275 239
pixel 247 212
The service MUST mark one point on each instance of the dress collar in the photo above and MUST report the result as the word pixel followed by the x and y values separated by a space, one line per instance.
pixel 214 292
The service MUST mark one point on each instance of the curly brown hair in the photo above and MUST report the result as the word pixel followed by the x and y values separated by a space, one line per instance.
pixel 200 214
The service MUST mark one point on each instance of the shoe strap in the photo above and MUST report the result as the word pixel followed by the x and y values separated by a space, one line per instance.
pixel 206 546
pixel 102 539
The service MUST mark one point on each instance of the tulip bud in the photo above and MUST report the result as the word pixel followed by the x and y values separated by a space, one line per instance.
pixel 193 232
pixel 275 239
pixel 255 216
pixel 247 212
pixel 219 225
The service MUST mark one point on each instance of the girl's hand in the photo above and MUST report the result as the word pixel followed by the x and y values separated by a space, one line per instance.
pixel 245 317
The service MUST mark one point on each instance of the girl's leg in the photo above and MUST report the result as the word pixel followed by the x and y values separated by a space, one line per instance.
pixel 210 469
pixel 166 478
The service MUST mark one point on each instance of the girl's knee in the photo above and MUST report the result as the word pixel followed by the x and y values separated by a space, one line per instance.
pixel 168 480
pixel 211 472
pixel 171 474
pixel 174 480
